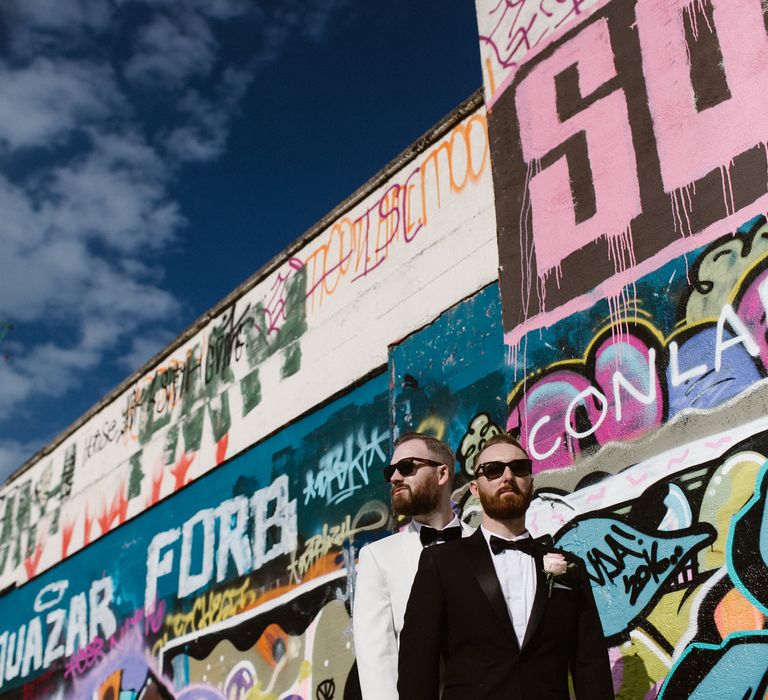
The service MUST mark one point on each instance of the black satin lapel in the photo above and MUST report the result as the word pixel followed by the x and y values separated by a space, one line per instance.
pixel 482 568
pixel 540 600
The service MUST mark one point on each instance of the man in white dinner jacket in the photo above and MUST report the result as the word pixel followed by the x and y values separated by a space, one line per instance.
pixel 421 475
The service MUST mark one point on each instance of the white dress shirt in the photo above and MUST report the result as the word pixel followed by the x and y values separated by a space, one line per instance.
pixel 517 576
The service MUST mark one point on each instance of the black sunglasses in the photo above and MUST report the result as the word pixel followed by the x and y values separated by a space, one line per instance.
pixel 493 470
pixel 407 466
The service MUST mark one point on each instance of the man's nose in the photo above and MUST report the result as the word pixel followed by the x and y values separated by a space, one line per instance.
pixel 508 476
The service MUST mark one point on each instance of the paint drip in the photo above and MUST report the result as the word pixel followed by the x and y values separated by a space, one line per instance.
pixel 725 176
pixel 692 10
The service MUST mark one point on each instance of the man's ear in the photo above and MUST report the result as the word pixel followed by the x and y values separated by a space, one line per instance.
pixel 473 487
pixel 443 474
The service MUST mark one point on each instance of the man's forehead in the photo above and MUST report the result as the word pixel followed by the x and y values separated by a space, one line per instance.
pixel 413 448
pixel 500 450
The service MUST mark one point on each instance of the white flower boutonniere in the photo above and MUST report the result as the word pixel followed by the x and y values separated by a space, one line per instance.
pixel 555 565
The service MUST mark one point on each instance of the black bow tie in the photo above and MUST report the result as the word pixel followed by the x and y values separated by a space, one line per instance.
pixel 428 535
pixel 525 545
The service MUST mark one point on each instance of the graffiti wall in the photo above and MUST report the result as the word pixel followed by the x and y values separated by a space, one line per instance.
pixel 630 184
pixel 239 585
pixel 647 427
pixel 196 536
pixel 451 380
pixel 284 343
pixel 611 155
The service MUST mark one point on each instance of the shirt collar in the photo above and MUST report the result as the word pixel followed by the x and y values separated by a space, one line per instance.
pixel 454 523
pixel 487 534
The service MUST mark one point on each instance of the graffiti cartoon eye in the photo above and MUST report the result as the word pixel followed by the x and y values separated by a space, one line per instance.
pixel 273 644
pixel 278 649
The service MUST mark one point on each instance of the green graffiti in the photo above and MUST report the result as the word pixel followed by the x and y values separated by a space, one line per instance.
pixel 53 520
pixel 192 430
pixel 31 541
pixel 68 471
pixel 224 342
pixel 7 530
pixel 23 517
pixel 169 446
pixel 44 495
pixel 221 420
pixel 136 476
pixel 153 419
pixel 250 389
pixel 201 385
pixel 291 360
pixel 192 385
pixel 24 511
pixel 296 313
pixel 264 336
pixel 256 345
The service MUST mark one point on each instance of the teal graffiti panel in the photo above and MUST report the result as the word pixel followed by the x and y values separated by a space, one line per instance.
pixel 288 511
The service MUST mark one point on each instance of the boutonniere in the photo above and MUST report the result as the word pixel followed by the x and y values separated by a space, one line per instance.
pixel 555 565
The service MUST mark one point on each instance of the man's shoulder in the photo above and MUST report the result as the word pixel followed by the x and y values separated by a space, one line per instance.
pixel 453 550
pixel 393 543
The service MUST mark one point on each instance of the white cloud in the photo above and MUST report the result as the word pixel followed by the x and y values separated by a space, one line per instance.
pixel 172 50
pixel 98 115
pixel 39 26
pixel 117 194
pixel 43 102
pixel 203 135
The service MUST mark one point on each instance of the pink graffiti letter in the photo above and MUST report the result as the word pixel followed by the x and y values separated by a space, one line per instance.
pixel 547 120
pixel 692 143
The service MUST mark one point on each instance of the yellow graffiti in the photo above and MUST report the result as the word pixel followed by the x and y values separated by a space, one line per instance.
pixel 318 546
pixel 432 425
pixel 213 607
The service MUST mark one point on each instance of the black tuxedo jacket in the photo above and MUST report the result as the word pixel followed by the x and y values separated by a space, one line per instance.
pixel 456 612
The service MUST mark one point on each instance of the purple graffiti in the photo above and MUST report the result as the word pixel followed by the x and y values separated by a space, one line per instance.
pixel 693 382
pixel 240 681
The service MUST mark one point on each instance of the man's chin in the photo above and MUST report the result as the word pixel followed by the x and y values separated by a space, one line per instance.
pixel 510 508
pixel 401 502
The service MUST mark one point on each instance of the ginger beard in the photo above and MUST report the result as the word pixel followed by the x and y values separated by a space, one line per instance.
pixel 507 501
pixel 415 499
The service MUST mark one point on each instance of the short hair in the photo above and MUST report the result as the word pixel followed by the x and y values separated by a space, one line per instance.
pixel 438 448
pixel 501 439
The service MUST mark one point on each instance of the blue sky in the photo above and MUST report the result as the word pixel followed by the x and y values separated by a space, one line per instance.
pixel 155 154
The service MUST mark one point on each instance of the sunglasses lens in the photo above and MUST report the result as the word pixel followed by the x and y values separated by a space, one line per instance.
pixel 520 467
pixel 404 466
pixel 496 470
pixel 493 470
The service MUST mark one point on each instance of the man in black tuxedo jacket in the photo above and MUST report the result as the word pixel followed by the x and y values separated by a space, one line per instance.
pixel 508 615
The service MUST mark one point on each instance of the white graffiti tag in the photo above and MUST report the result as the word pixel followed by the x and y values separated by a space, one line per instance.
pixel 344 468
